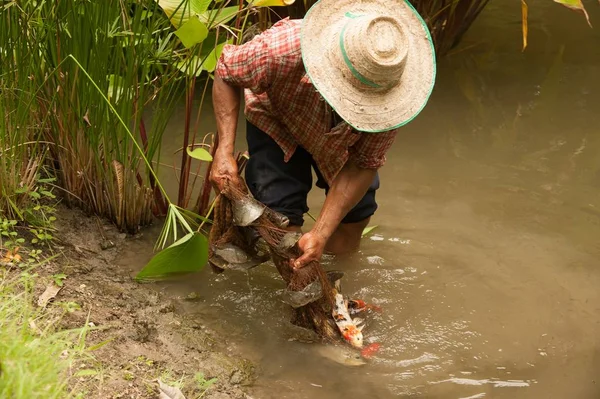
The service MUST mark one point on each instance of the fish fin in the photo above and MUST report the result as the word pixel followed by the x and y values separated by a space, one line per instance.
pixel 357 321
pixel 360 328
pixel 338 285
pixel 375 308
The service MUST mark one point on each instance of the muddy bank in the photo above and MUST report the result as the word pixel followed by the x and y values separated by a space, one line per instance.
pixel 141 335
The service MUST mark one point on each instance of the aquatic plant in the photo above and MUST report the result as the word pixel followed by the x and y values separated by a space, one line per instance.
pixel 21 154
pixel 70 70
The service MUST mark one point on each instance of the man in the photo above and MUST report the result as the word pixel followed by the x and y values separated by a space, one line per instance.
pixel 328 91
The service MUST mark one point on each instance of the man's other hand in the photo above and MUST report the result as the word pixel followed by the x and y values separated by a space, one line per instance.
pixel 312 246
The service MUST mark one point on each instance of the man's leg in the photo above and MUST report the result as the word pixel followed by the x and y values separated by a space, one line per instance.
pixel 282 186
pixel 348 235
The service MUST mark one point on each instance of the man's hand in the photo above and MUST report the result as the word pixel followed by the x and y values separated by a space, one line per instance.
pixel 349 186
pixel 224 170
pixel 312 246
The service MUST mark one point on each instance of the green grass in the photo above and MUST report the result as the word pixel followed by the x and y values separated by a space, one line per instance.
pixel 35 356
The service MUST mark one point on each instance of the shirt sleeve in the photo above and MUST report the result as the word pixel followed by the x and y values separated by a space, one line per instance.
pixel 253 65
pixel 369 151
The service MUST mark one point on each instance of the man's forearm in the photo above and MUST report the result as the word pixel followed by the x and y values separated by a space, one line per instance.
pixel 349 186
pixel 226 102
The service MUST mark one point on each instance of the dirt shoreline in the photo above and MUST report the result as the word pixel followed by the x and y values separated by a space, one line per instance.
pixel 147 337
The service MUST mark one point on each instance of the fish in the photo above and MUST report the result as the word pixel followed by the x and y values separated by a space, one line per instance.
pixel 231 253
pixel 358 305
pixel 341 354
pixel 335 276
pixel 279 219
pixel 296 299
pixel 312 292
pixel 246 211
pixel 341 316
pixel 231 257
pixel 288 241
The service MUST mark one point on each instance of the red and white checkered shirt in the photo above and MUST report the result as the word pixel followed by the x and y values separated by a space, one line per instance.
pixel 281 101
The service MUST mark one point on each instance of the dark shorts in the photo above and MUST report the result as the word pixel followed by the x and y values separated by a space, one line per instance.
pixel 284 187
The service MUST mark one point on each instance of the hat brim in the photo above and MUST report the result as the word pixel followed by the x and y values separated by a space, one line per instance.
pixel 367 110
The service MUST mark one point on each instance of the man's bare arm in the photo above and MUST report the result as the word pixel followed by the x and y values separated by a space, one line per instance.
pixel 226 103
pixel 349 186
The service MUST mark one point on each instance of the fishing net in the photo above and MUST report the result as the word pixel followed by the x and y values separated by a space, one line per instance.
pixel 245 223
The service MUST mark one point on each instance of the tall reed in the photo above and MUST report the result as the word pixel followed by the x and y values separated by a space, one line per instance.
pixel 21 156
pixel 123 48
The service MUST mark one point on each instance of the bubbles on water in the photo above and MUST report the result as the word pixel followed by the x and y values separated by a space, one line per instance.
pixel 476 396
pixel 375 260
pixel 376 237
pixel 495 382
pixel 401 241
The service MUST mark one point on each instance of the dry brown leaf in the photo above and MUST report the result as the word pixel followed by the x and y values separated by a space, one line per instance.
pixel 524 13
pixel 168 392
pixel 118 170
pixel 49 294
pixel 86 117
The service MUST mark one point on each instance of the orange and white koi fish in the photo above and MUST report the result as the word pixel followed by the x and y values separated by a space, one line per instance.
pixel 358 305
pixel 348 328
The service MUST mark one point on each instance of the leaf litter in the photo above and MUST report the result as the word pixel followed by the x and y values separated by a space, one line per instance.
pixel 49 294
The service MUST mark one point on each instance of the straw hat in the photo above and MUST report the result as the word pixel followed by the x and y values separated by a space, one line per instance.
pixel 373 61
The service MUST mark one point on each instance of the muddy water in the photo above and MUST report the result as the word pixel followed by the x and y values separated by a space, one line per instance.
pixel 486 258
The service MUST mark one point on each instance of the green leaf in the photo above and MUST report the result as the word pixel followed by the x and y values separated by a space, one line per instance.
pixel 146 14
pixel 368 229
pixel 86 373
pixel 192 32
pixel 47 194
pixel 191 66
pixel 200 153
pixel 189 256
pixel 210 63
pixel 180 11
pixel 100 344
pixel 115 87
pixel 575 5
pixel 182 240
pixel 219 16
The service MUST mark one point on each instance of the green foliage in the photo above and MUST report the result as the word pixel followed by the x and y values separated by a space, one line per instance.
pixel 192 32
pixel 368 230
pixel 187 255
pixel 204 384
pixel 35 357
pixel 58 278
pixel 200 154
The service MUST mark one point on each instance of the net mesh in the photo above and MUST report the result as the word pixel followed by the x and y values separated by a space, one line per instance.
pixel 315 315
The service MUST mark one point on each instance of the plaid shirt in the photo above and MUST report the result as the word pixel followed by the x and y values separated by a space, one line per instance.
pixel 281 101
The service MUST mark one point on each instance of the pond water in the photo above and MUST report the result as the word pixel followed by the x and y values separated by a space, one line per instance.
pixel 486 256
